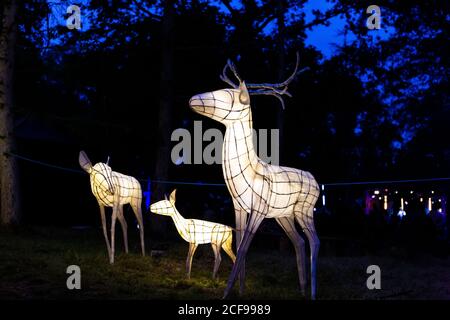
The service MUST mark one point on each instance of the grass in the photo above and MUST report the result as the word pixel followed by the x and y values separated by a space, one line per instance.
pixel 33 266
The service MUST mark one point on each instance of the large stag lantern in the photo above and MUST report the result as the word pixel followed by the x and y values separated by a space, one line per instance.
pixel 260 190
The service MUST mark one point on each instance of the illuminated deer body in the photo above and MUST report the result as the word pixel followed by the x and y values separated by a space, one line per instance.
pixel 260 190
pixel 113 189
pixel 197 232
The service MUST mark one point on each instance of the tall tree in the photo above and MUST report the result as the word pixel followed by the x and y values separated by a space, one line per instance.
pixel 165 102
pixel 404 65
pixel 281 50
pixel 9 213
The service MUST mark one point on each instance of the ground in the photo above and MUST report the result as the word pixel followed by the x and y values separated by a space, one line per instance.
pixel 33 265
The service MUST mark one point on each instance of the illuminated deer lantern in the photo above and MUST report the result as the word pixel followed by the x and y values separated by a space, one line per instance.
pixel 260 190
pixel 197 232
pixel 113 189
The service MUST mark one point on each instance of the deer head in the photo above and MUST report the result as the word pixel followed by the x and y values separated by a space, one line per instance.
pixel 230 105
pixel 100 173
pixel 165 207
pixel 225 106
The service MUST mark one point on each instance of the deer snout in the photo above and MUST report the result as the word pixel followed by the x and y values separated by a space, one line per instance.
pixel 202 102
pixel 196 102
pixel 153 208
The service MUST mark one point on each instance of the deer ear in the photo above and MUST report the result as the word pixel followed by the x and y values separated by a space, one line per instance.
pixel 172 197
pixel 84 161
pixel 244 96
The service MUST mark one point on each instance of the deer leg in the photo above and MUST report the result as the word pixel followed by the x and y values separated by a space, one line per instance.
pixel 307 223
pixel 192 248
pixel 288 225
pixel 105 232
pixel 241 221
pixel 138 213
pixel 228 248
pixel 124 225
pixel 113 230
pixel 249 232
pixel 217 258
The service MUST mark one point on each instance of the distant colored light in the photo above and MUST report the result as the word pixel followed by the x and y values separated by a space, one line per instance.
pixel 401 213
pixel 373 197
pixel 421 199
pixel 440 200
pixel 376 192
pixel 406 202
pixel 379 198
pixel 430 206
pixel 440 210
pixel 396 192
pixel 411 192
pixel 402 204
pixel 432 192
pixel 385 204
pixel 323 187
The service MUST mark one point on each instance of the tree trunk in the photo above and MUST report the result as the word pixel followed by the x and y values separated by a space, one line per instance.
pixel 281 71
pixel 165 109
pixel 9 196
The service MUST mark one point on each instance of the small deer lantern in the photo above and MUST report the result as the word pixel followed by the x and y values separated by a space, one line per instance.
pixel 113 189
pixel 197 232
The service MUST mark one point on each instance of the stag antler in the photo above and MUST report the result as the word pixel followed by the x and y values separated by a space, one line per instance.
pixel 230 65
pixel 272 89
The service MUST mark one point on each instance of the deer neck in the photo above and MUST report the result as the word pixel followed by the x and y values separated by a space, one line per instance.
pixel 181 225
pixel 238 151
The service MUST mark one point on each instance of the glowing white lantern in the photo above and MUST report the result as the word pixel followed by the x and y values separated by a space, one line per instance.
pixel 323 196
pixel 113 189
pixel 197 232
pixel 260 190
